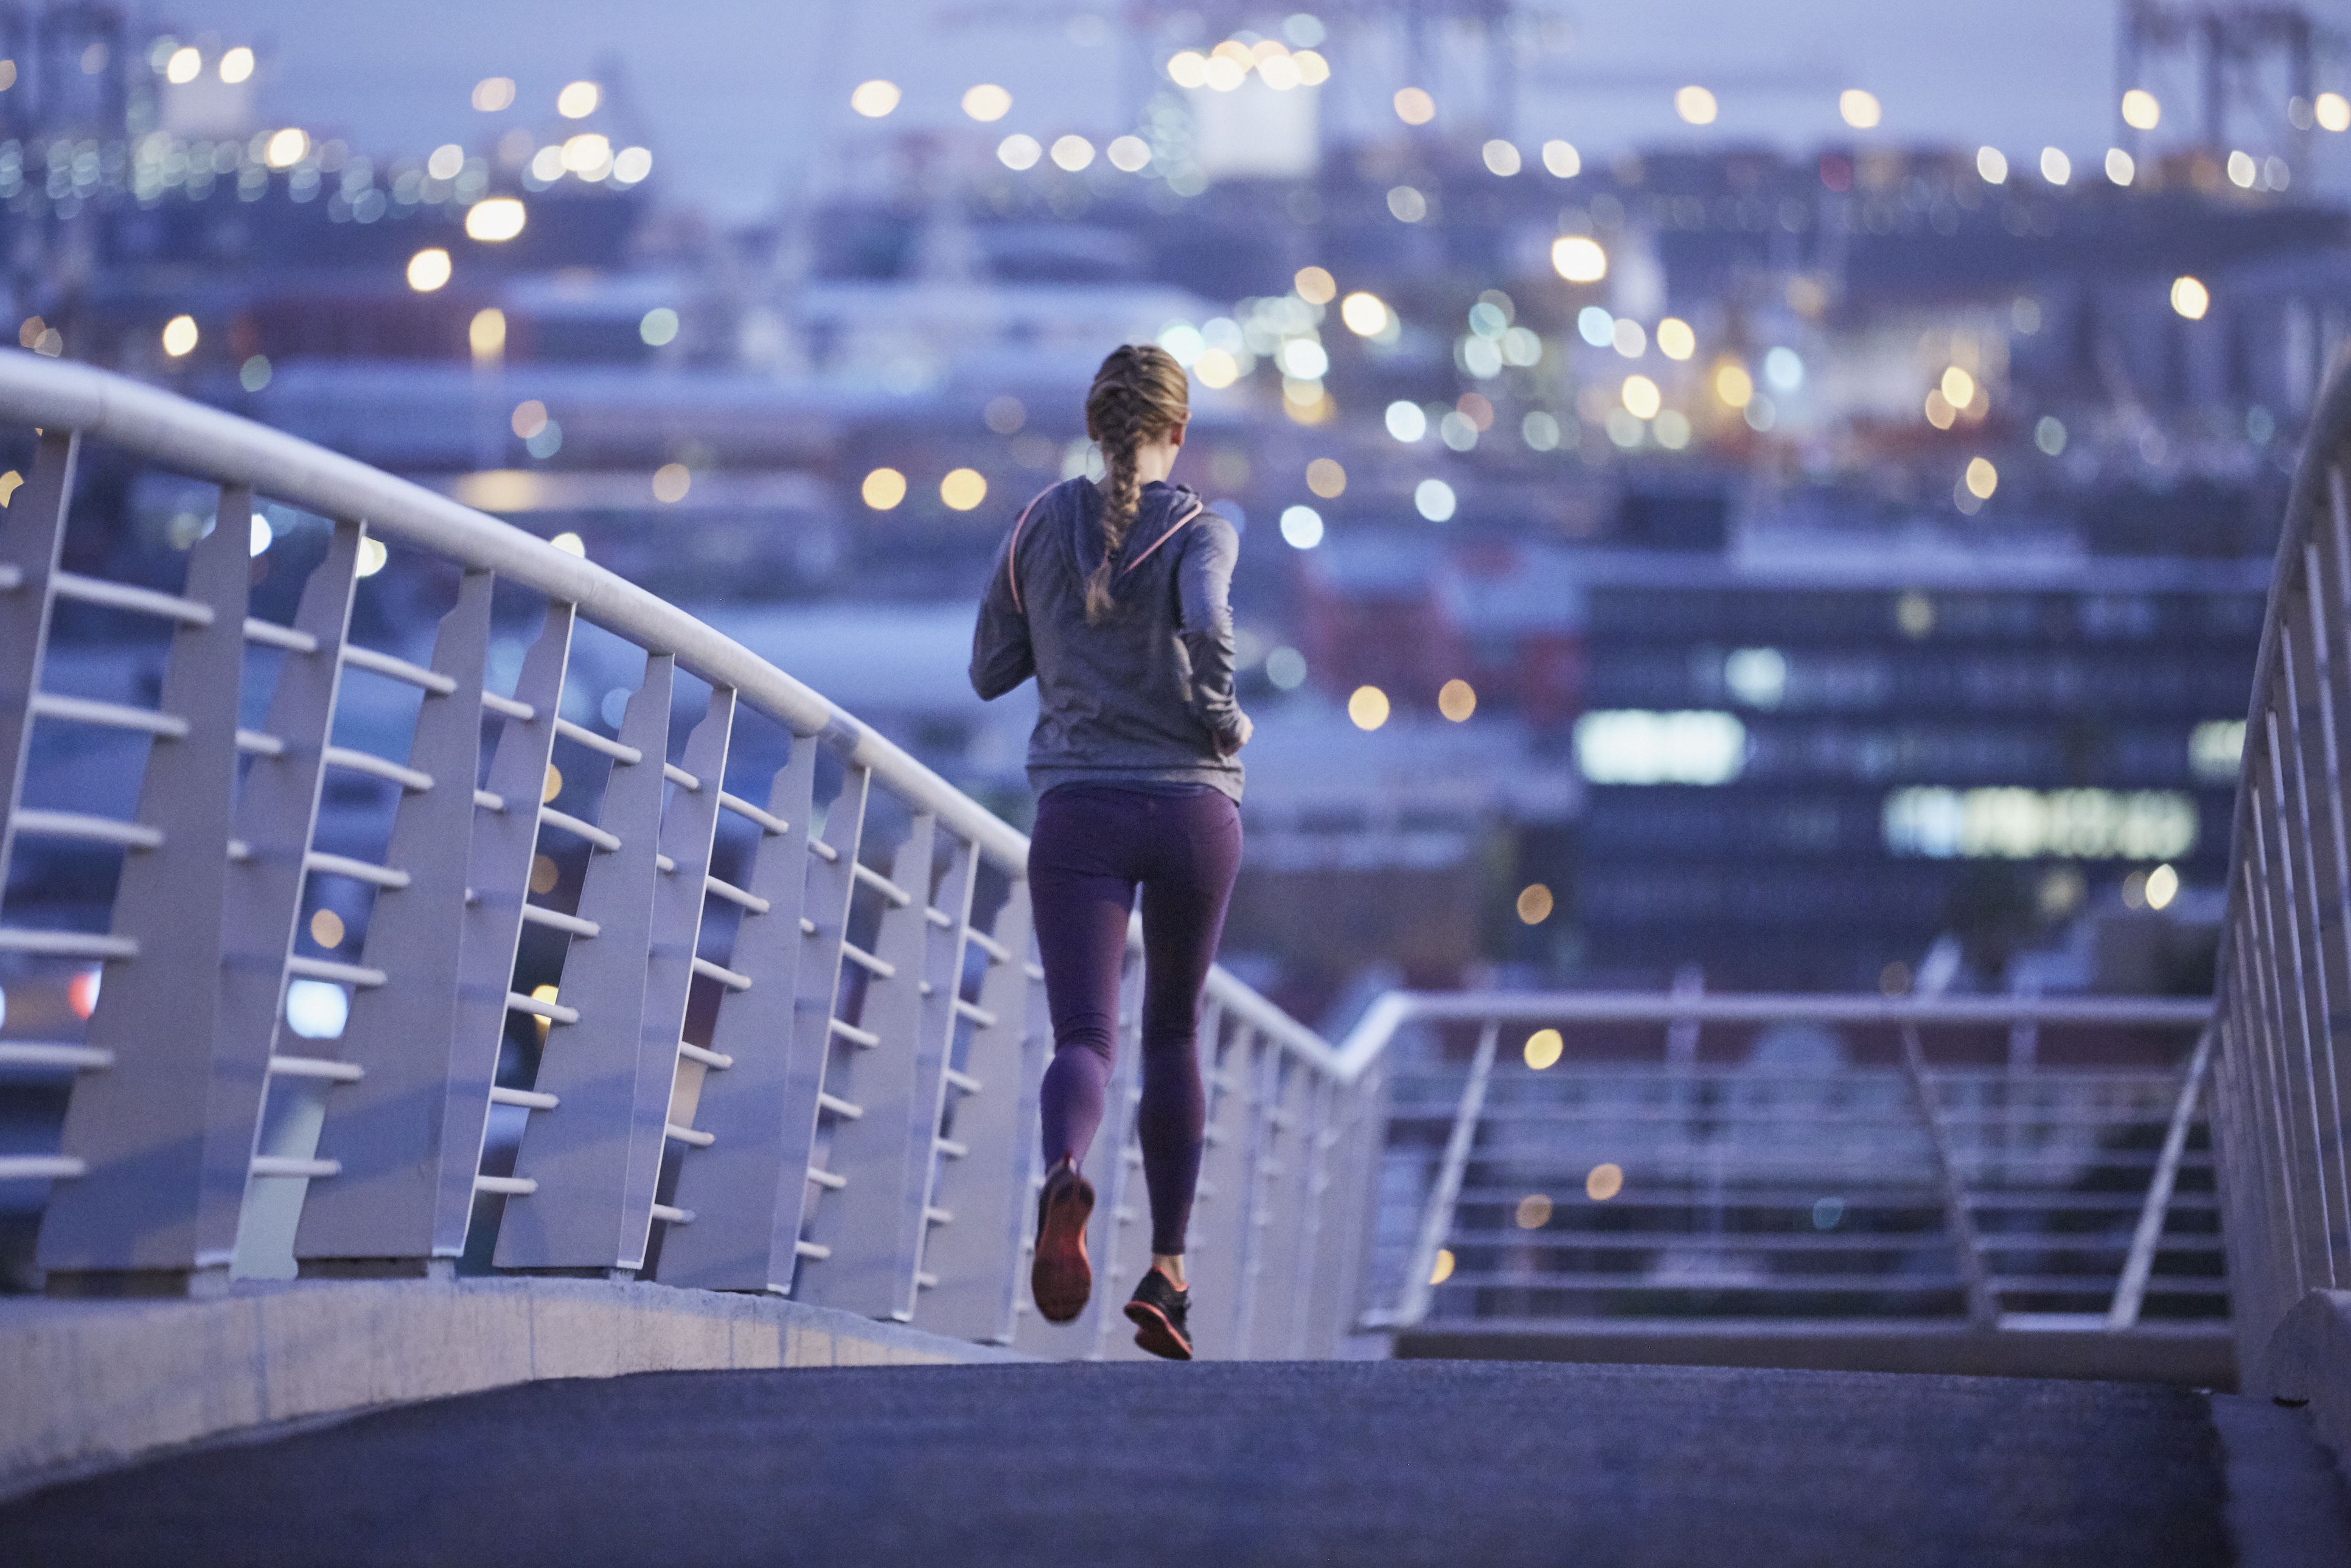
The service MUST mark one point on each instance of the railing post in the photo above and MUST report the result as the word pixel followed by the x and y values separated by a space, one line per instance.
pixel 738 1188
pixel 277 813
pixel 31 535
pixel 689 829
pixel 2130 1290
pixel 870 1269
pixel 504 840
pixel 978 1257
pixel 380 1128
pixel 2289 969
pixel 577 1151
pixel 1117 1162
pixel 1983 1305
pixel 138 1124
pixel 1213 1265
pixel 1274 1286
pixel 1445 1189
pixel 1355 1167
pixel 946 938
pixel 831 887
pixel 1309 1192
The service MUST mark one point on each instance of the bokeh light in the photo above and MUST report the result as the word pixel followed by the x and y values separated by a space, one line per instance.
pixel 1367 707
pixel 1543 1048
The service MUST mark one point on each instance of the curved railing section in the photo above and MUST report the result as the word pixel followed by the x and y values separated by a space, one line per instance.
pixel 582 940
pixel 2285 984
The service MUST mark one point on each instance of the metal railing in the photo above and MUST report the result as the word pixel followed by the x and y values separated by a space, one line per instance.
pixel 1594 1164
pixel 695 979
pixel 2285 947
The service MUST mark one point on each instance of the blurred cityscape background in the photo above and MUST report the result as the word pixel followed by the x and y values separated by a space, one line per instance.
pixel 1725 504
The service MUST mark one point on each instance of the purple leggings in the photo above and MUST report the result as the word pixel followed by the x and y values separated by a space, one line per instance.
pixel 1094 844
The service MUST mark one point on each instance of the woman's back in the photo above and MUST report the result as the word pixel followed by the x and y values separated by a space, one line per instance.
pixel 1143 693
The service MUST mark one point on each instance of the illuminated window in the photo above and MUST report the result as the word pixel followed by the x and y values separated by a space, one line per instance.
pixel 1937 823
pixel 2216 750
pixel 1631 746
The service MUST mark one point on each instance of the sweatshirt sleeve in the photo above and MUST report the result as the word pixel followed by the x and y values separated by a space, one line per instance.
pixel 1001 657
pixel 1204 586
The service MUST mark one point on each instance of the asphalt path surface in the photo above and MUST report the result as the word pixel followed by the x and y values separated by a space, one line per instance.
pixel 1361 1464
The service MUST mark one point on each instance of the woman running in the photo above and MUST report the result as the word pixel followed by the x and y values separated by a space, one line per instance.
pixel 1114 595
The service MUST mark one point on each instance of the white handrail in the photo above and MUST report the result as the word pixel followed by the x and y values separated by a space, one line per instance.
pixel 221 447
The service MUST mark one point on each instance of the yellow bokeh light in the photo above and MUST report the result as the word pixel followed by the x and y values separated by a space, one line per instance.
pixel 1457 700
pixel 2162 887
pixel 286 148
pixel 2141 112
pixel 1368 708
pixel 237 66
pixel 327 928
pixel 986 103
pixel 495 219
pixel 1313 70
pixel 1675 341
pixel 184 65
pixel 1189 68
pixel 875 99
pixel 428 269
pixel 1535 904
pixel 2190 298
pixel 1958 388
pixel 544 875
pixel 883 488
pixel 670 482
pixel 180 336
pixel 589 155
pixel 1642 400
pixel 1444 1267
pixel 1366 315
pixel 1215 368
pixel 487 333
pixel 1543 1048
pixel 1859 108
pixel 963 488
pixel 1315 286
pixel 2333 112
pixel 1695 105
pixel 1982 478
pixel 1733 385
pixel 1939 411
pixel 372 558
pixel 571 543
pixel 1606 1182
pixel 1413 106
pixel 1326 478
pixel 1534 1212
pixel 578 99
pixel 552 785
pixel 1579 258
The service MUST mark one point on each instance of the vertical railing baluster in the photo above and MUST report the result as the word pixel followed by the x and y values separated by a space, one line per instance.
pixel 1312 1152
pixel 870 1267
pixel 1266 1147
pixel 1340 1247
pixel 688 830
pixel 1215 1262
pixel 276 812
pixel 946 941
pixel 1982 1290
pixel 2282 1008
pixel 1274 1293
pixel 381 1129
pixel 976 1257
pixel 832 889
pixel 2331 903
pixel 2285 1237
pixel 506 841
pixel 578 1151
pixel 32 533
pixel 1115 1163
pixel 139 1125
pixel 2295 969
pixel 734 1187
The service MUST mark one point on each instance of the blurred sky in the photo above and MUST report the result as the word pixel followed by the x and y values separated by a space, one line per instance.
pixel 735 96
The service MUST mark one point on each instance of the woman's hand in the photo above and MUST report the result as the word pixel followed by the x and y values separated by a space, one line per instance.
pixel 1227 744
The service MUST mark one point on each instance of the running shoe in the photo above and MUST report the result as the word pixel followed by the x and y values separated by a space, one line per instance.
pixel 1158 1310
pixel 1059 1276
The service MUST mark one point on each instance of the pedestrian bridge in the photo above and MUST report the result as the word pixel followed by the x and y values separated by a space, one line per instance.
pixel 442 1032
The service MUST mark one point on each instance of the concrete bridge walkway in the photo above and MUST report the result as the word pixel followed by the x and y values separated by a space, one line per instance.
pixel 1362 1464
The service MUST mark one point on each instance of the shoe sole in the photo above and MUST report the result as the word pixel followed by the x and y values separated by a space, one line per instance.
pixel 1154 1333
pixel 1060 1277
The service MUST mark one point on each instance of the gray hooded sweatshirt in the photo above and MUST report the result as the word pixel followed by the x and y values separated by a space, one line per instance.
pixel 1145 696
